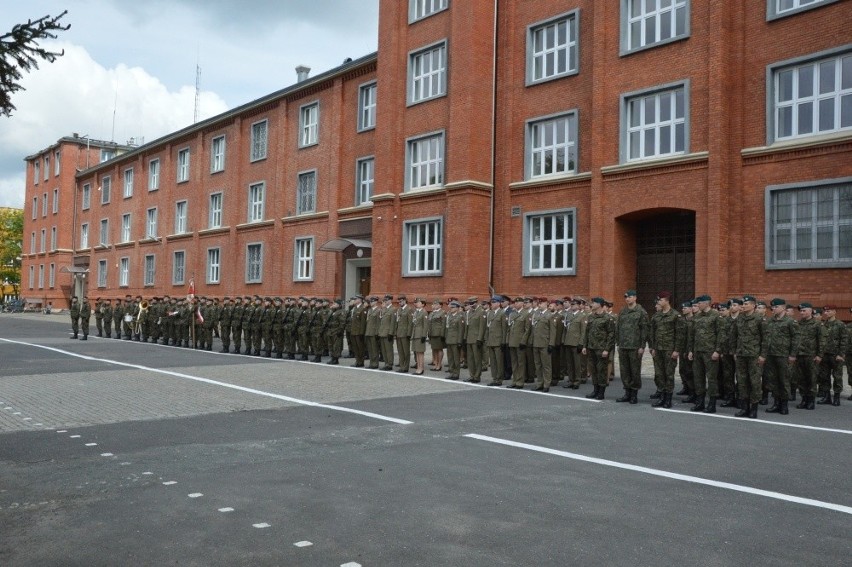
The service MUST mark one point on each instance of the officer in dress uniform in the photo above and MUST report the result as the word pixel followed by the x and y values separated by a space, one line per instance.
pixel 518 325
pixel 495 336
pixel 371 331
pixel 454 338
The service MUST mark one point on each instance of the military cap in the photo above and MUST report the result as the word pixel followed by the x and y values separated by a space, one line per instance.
pixel 724 306
pixel 829 308
pixel 817 311
pixel 630 293
pixel 496 299
pixel 736 301
pixel 402 297
pixel 455 304
pixel 704 297
pixel 599 300
pixel 761 302
pixel 358 296
pixel 472 299
pixel 437 301
pixel 664 295
pixel 420 299
pixel 747 298
pixel 388 297
pixel 686 304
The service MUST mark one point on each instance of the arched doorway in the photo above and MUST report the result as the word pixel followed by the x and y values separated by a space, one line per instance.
pixel 665 257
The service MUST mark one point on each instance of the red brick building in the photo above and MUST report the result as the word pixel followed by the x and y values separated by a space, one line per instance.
pixel 537 147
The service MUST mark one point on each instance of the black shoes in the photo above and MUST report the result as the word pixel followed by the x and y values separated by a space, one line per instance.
pixel 626 397
pixel 594 394
pixel 711 406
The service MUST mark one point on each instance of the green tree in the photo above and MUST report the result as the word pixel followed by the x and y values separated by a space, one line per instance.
pixel 20 53
pixel 11 238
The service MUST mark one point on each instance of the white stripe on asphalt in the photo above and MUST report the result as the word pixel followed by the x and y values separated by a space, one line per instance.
pixel 218 383
pixel 666 474
pixel 763 421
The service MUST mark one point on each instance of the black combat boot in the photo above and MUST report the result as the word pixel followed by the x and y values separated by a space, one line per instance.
pixel 661 402
pixel 594 394
pixel 711 405
pixel 625 397
pixel 764 401
pixel 825 400
pixel 752 414
pixel 804 403
pixel 731 402
pixel 75 336
pixel 634 397
pixel 810 404
pixel 317 358
pixel 691 399
pixel 668 400
pixel 684 391
pixel 601 391
pixel 699 404
pixel 776 406
pixel 658 395
pixel 793 395
pixel 836 400
pixel 745 409
pixel 84 338
pixel 784 410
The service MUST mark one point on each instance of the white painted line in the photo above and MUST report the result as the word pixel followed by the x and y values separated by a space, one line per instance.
pixel 147 473
pixel 195 495
pixel 62 431
pixel 218 383
pixel 261 525
pixel 224 510
pixel 351 564
pixel 106 454
pixel 10 408
pixel 666 474
pixel 91 444
pixel 760 421
pixel 169 482
pixel 303 544
pixel 74 436
pixel 28 419
pixel 38 424
pixel 17 413
pixel 124 464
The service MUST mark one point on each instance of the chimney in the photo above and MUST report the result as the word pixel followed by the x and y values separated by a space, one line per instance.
pixel 302 73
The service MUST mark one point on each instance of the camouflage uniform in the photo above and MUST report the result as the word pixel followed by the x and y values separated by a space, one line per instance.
pixel 599 338
pixel 748 336
pixel 830 367
pixel 705 344
pixel 631 338
pixel 667 341
pixel 371 332
pixel 779 349
pixel 75 316
pixel 811 346
pixel 335 328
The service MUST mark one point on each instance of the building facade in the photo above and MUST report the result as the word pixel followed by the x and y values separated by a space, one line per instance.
pixel 539 147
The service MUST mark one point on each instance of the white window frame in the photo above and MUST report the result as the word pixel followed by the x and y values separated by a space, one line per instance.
pixel 36 176
pixel 254 262
pixel 51 276
pixel 536 250
pixel 214 216
pixel 367 104
pixel 87 196
pixel 427 73
pixel 217 154
pixel 32 277
pixel 309 124
pixel 102 273
pixel 782 8
pixel 259 140
pixel 543 143
pixel 124 271
pixel 35 207
pixel 41 276
pixel 154 174
pixel 420 9
pixel 56 201
pixel 44 205
pixel 106 154
pixel 53 238
pixel 150 274
pixel 42 245
pixel 423 258
pixel 125 228
pixel 178 267
pixel 817 64
pixel 805 222
pixel 663 12
pixel 365 178
pixel 46 167
pixel 33 242
pixel 128 182
pixel 151 223
pixel 84 236
pixel 256 201
pixel 56 156
pixel 214 265
pixel 306 196
pixel 661 129
pixel 418 174
pixel 183 165
pixel 103 237
pixel 106 189
pixel 545 48
pixel 181 217
pixel 303 259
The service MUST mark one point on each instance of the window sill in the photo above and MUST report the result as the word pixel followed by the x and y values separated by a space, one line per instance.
pixel 129 244
pixel 151 240
pixel 180 236
pixel 625 52
pixel 253 225
pixel 212 231
pixel 420 193
pixel 357 208
pixel 304 217
pixel 809 142
pixel 551 180
pixel 653 163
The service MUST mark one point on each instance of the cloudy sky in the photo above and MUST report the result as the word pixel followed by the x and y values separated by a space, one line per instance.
pixel 129 66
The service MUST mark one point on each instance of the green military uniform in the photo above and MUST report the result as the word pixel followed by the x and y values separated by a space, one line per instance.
pixel 495 337
pixel 267 320
pixel 437 329
pixel 454 338
pixel 118 317
pixel 726 372
pixel 99 317
pixel 371 331
pixel 631 336
pixel 519 328
pixel 290 314
pixel 573 341
pixel 303 325
pixel 705 344
pixel 85 314
pixel 475 319
pixel 811 347
pixel 779 352
pixel 404 321
pixel 335 328
pixel 75 316
pixel 685 369
pixel 237 323
pixel 357 330
pixel 748 335
pixel 599 342
pixel 107 313
pixel 226 318
pixel 278 315
pixel 831 366
pixel 387 331
pixel 667 339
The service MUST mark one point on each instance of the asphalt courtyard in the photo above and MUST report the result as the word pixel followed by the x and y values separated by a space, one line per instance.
pixel 122 453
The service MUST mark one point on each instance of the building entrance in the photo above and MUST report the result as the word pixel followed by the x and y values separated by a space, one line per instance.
pixel 665 257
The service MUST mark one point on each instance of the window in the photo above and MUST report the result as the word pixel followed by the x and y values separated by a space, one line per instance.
pixel 254 263
pixel 419 9
pixel 46 171
pixel 304 268
pixel 549 244
pixel 646 23
pixel 552 48
pixel 51 276
pixel 53 238
pixel 55 201
pixel 150 269
pixel 104 236
pixel 84 236
pixel 306 197
pixel 56 155
pixel 128 182
pixel 125 227
pixel 809 226
pixel 153 175
pixel 367 106
pixel 151 223
pixel 258 140
pixel 36 177
pixel 811 98
pixel 32 276
pixel 181 208
pixel 365 176
pixel 256 201
pixel 309 125
pixel 781 8
pixel 552 146
pixel 213 265
pixel 217 154
pixel 178 267
pixel 425 162
pixel 655 123
pixel 33 243
pixel 183 165
pixel 43 240
pixel 427 73
pixel 102 273
pixel 422 247
pixel 106 187
pixel 107 155
pixel 87 196
pixel 44 205
pixel 41 276
pixel 35 207
pixel 214 219
pixel 124 272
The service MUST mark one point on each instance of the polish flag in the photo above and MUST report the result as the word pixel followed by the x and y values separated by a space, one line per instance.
pixel 191 288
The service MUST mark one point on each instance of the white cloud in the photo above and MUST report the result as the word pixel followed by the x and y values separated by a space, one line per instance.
pixel 77 94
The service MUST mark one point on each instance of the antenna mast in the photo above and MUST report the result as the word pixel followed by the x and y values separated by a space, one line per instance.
pixel 197 91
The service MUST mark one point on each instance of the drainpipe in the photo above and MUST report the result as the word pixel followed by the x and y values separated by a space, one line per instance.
pixel 493 149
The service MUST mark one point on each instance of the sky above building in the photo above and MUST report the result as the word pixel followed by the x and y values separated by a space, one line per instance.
pixel 129 69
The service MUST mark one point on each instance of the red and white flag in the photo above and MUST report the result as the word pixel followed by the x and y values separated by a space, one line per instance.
pixel 191 294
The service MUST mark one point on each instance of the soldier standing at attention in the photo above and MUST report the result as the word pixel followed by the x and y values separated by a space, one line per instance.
pixel 573 341
pixel 419 333
pixel 727 387
pixel 748 337
pixel 75 316
pixel 530 305
pixel 86 312
pixel 667 340
pixel 106 310
pixel 848 357
pixel 811 345
pixel 387 331
pixel 684 364
pixel 225 319
pixel 267 321
pixel 518 323
pixel 454 337
pixel 495 333
pixel 358 329
pixel 99 317
pixel 598 343
pixel 437 330
pixel 704 346
pixel 779 353
pixel 403 333
pixel 371 331
pixel 118 317
pixel 542 339
pixel 832 361
pixel 631 338
pixel 474 338
pixel 335 328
